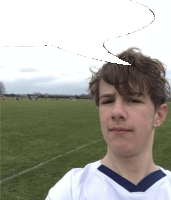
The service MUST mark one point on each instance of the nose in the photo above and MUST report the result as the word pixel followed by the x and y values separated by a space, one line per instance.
pixel 118 111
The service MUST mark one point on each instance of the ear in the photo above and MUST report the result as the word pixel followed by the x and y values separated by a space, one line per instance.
pixel 160 115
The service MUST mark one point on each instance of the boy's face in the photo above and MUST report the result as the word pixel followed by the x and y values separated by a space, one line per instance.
pixel 125 112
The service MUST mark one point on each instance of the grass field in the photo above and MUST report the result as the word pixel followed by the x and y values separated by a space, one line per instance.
pixel 35 132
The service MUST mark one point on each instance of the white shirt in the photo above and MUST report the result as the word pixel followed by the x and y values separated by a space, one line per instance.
pixel 97 182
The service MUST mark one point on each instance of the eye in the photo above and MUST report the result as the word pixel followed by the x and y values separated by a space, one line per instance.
pixel 106 102
pixel 134 101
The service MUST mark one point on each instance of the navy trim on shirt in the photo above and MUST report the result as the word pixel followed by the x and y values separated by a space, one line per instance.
pixel 142 186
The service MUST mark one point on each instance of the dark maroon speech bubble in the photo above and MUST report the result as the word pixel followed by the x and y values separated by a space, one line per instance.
pixel 77 26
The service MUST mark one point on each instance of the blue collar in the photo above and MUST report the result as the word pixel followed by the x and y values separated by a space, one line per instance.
pixel 142 186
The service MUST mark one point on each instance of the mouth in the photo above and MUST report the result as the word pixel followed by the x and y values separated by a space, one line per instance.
pixel 120 132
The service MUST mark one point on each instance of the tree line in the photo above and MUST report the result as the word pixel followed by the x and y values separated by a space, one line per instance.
pixel 50 96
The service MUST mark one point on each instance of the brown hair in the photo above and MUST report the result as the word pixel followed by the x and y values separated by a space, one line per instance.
pixel 147 73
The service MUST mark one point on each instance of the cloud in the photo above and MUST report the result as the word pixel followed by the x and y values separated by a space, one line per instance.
pixel 38 79
pixel 26 70
pixel 82 73
pixel 65 74
pixel 2 66
pixel 48 84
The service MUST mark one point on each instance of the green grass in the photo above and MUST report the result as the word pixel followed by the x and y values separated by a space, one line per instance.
pixel 33 132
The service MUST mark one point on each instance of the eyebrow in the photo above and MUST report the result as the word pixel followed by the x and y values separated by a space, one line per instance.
pixel 113 95
pixel 107 95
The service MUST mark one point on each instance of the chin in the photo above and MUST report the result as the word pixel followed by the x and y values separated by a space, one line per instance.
pixel 123 151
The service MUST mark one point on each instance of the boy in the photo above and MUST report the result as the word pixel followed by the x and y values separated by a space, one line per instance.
pixel 131 102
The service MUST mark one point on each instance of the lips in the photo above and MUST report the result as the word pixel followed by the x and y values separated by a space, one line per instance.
pixel 120 132
pixel 119 129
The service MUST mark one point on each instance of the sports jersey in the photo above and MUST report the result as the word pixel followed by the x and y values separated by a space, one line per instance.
pixel 97 182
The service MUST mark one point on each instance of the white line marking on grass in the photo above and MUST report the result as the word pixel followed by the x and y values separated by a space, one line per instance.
pixel 8 178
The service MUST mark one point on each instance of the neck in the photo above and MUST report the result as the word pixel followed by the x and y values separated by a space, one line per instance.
pixel 133 168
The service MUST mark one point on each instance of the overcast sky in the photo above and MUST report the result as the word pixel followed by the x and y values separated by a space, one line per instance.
pixel 25 70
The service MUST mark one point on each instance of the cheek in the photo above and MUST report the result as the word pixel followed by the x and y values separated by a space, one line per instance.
pixel 143 126
pixel 104 117
pixel 104 120
pixel 142 118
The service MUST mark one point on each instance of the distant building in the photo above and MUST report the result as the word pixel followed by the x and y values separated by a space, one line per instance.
pixel 37 93
pixel 72 98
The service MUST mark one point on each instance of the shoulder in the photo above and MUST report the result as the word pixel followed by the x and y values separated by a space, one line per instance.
pixel 82 174
pixel 168 175
pixel 71 181
pixel 166 171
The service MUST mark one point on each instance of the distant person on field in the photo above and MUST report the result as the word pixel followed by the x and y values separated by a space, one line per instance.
pixel 3 98
pixel 131 104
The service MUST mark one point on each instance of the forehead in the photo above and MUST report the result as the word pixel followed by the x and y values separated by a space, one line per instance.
pixel 105 88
